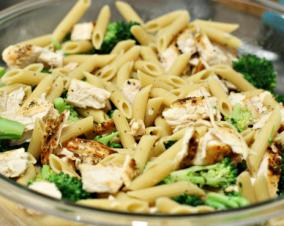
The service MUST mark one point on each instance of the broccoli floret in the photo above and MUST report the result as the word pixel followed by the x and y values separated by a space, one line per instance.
pixel 70 187
pixel 169 143
pixel 191 200
pixel 258 71
pixel 279 98
pixel 219 175
pixel 107 140
pixel 116 32
pixel 61 105
pixel 225 201
pixel 241 118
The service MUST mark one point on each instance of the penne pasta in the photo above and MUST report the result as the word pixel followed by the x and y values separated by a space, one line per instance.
pixel 127 12
pixel 70 20
pixel 101 27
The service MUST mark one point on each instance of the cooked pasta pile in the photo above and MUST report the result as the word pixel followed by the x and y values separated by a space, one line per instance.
pixel 138 116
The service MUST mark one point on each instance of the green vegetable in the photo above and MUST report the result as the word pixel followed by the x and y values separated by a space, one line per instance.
pixel 2 71
pixel 61 105
pixel 70 187
pixel 279 98
pixel 107 140
pixel 219 175
pixel 222 202
pixel 56 44
pixel 10 130
pixel 258 71
pixel 241 118
pixel 191 200
pixel 116 32
pixel 169 143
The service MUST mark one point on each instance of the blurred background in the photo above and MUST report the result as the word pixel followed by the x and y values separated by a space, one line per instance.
pixel 7 3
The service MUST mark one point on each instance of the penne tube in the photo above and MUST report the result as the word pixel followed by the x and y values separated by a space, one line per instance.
pixel 149 68
pixel 77 47
pixel 42 89
pixel 221 37
pixel 180 65
pixel 26 77
pixel 94 62
pixel 141 35
pixel 167 35
pixel 163 21
pixel 122 126
pixel 109 72
pixel 124 73
pixel 155 82
pixel 224 104
pixel 152 176
pixel 123 46
pixel 118 99
pixel 99 116
pixel 37 138
pixel 167 190
pixel 57 89
pixel 148 54
pixel 70 19
pixel 232 76
pixel 246 188
pixel 94 80
pixel 261 143
pixel 101 27
pixel 140 103
pixel 168 98
pixel 127 12
pixel 143 151
pixel 226 27
pixel 76 129
pixel 153 109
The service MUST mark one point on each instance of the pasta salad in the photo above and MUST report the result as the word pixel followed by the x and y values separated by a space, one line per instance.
pixel 159 116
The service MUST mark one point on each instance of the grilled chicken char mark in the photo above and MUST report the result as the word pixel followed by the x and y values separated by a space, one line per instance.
pixel 88 151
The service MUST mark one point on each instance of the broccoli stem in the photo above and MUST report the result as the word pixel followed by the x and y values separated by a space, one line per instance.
pixel 215 205
pixel 226 201
pixel 10 129
pixel 106 139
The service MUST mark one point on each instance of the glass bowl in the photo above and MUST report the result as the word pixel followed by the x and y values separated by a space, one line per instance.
pixel 29 19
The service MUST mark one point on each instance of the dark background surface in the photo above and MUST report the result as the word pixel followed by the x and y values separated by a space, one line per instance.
pixel 6 3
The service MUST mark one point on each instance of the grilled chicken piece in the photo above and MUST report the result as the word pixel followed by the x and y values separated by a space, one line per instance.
pixel 53 125
pixel 219 142
pixel 137 127
pixel 130 89
pixel 21 55
pixel 186 42
pixel 11 108
pixel 88 151
pixel 104 128
pixel 82 94
pixel 108 178
pixel 168 57
pixel 14 163
pixel 190 109
pixel 46 188
pixel 82 32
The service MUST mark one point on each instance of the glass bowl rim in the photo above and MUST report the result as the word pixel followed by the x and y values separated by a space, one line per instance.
pixel 28 5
